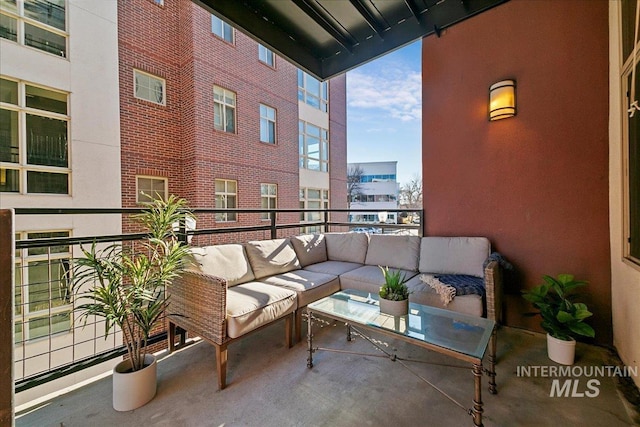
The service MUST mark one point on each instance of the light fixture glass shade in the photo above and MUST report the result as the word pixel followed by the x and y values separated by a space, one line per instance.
pixel 502 100
pixel 382 216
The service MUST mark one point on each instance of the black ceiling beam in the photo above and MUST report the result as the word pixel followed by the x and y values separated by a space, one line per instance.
pixel 374 19
pixel 327 22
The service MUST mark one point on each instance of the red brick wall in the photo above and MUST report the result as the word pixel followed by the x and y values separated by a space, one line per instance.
pixel 535 184
pixel 338 145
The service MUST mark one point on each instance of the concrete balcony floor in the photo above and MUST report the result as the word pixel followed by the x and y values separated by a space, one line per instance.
pixel 270 385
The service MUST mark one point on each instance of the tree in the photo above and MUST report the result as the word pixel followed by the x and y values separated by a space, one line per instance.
pixel 354 184
pixel 411 194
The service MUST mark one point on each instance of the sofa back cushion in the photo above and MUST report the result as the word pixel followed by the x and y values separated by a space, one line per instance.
pixel 349 247
pixel 269 257
pixel 227 261
pixel 310 248
pixel 394 251
pixel 454 255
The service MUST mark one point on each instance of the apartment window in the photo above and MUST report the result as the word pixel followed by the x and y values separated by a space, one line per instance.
pixel 267 124
pixel 221 29
pixel 266 55
pixel 40 24
pixel 159 2
pixel 313 143
pixel 313 198
pixel 150 188
pixel 224 110
pixel 226 198
pixel 34 151
pixel 268 198
pixel 312 91
pixel 632 150
pixel 42 298
pixel 149 88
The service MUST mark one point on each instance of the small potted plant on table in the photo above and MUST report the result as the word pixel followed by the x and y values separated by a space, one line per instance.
pixel 562 317
pixel 126 287
pixel 394 294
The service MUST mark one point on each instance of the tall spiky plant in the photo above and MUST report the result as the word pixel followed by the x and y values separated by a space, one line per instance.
pixel 126 287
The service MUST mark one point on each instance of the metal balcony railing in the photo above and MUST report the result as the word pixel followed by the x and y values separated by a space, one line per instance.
pixel 49 339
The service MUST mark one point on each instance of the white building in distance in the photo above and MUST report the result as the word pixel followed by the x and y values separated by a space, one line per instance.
pixel 379 191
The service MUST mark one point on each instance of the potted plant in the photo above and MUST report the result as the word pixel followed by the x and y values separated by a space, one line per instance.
pixel 562 317
pixel 126 288
pixel 394 294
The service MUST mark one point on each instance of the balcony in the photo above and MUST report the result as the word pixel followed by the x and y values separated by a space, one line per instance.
pixel 269 384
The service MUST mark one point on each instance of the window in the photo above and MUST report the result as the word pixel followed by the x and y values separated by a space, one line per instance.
pixel 313 198
pixel 40 24
pixel 224 110
pixel 42 297
pixel 34 151
pixel 159 2
pixel 267 124
pixel 221 29
pixel 313 92
pixel 313 143
pixel 268 198
pixel 632 149
pixel 226 198
pixel 149 188
pixel 266 55
pixel 149 88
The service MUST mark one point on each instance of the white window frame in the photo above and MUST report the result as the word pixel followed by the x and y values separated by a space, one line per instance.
pixel 21 166
pixel 142 198
pixel 307 201
pixel 223 197
pixel 218 27
pixel 141 75
pixel 23 312
pixel 304 138
pixel 268 197
pixel 266 56
pixel 224 106
pixel 267 121
pixel 318 100
pixel 22 20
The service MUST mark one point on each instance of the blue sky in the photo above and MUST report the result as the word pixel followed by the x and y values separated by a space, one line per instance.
pixel 384 111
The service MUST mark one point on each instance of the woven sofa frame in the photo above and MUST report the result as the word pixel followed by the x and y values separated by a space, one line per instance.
pixel 198 305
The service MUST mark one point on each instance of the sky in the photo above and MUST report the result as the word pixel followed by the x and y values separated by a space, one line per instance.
pixel 384 111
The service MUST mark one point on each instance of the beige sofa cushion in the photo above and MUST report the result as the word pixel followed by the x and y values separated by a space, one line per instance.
pixel 227 261
pixel 333 267
pixel 394 251
pixel 422 293
pixel 310 248
pixel 367 278
pixel 349 247
pixel 269 257
pixel 454 255
pixel 254 304
pixel 310 286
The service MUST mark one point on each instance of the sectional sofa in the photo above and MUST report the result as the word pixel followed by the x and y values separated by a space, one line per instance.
pixel 236 289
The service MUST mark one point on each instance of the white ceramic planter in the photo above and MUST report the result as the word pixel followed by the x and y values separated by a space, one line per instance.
pixel 561 351
pixel 132 390
pixel 394 308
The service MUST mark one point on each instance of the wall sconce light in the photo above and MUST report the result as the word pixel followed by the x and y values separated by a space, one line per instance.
pixel 502 100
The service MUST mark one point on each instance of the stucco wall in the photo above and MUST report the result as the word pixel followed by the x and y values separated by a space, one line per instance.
pixel 536 184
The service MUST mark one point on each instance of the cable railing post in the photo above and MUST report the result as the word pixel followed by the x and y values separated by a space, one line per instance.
pixel 421 228
pixel 326 220
pixel 182 228
pixel 7 247
pixel 274 230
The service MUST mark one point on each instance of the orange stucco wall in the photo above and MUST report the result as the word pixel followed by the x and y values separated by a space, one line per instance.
pixel 535 184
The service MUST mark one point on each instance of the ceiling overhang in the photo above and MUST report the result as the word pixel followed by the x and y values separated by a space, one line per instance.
pixel 329 37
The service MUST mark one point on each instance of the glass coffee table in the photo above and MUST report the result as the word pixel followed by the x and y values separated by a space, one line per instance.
pixel 457 335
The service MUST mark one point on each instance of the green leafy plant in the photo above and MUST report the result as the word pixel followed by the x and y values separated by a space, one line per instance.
pixel 394 287
pixel 126 286
pixel 562 317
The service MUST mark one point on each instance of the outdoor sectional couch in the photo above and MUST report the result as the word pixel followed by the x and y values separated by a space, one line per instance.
pixel 236 289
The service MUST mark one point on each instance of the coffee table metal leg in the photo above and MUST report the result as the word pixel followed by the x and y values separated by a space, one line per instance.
pixel 309 339
pixel 492 361
pixel 348 331
pixel 476 412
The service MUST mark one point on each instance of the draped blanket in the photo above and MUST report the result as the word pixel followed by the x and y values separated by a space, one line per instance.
pixel 450 285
